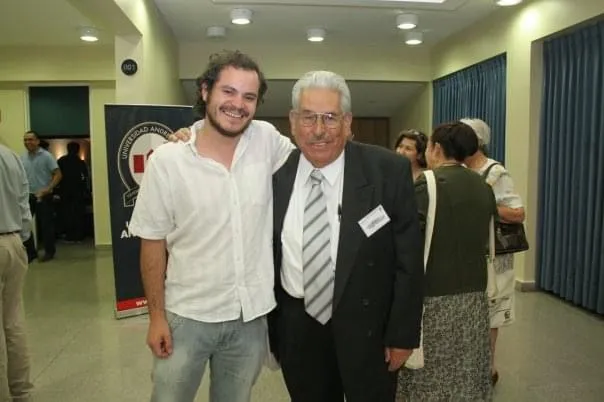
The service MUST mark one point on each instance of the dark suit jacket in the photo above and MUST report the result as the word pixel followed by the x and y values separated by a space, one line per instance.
pixel 378 282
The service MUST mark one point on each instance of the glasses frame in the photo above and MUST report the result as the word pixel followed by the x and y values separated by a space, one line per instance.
pixel 310 119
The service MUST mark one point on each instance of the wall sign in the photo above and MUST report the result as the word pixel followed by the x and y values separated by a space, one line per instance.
pixel 129 67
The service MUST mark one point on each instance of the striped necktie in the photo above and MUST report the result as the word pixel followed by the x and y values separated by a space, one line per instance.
pixel 316 253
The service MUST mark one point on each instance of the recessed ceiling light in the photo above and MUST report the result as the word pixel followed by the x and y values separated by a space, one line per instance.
pixel 89 34
pixel 505 3
pixel 315 34
pixel 414 38
pixel 241 16
pixel 216 32
pixel 406 21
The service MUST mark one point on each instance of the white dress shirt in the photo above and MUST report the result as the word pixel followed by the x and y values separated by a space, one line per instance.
pixel 292 277
pixel 217 224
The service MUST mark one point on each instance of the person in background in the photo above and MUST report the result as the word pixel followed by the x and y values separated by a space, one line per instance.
pixel 456 315
pixel 510 209
pixel 73 190
pixel 412 145
pixel 204 216
pixel 15 227
pixel 347 252
pixel 44 175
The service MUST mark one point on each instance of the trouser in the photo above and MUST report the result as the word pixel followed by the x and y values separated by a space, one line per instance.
pixel 72 211
pixel 43 211
pixel 235 350
pixel 14 356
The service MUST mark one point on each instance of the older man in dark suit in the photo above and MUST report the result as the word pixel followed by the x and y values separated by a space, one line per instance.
pixel 348 255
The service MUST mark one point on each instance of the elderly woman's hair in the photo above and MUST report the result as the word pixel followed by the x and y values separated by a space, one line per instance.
pixel 482 131
pixel 457 140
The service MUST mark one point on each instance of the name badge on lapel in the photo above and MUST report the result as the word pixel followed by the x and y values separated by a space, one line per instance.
pixel 374 221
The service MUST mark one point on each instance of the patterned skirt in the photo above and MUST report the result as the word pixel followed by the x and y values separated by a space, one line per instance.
pixel 456 352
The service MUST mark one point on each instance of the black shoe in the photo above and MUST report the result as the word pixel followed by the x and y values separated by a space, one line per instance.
pixel 494 378
pixel 47 257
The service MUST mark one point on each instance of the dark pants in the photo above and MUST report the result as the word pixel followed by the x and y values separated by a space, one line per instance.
pixel 310 366
pixel 43 211
pixel 72 212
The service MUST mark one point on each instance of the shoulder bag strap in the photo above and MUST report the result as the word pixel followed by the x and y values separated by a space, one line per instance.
pixel 431 183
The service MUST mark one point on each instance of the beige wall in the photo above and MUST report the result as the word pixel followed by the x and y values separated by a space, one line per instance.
pixel 415 113
pixel 12 107
pixel 518 31
pixel 67 63
pixel 100 94
pixel 156 51
pixel 375 63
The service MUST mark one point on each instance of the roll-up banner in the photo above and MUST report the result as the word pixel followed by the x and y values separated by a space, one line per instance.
pixel 133 132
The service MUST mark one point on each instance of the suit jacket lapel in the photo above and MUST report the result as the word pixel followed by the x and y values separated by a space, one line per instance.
pixel 283 185
pixel 357 195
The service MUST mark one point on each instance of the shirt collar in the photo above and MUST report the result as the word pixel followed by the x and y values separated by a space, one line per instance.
pixel 198 125
pixel 331 172
pixel 38 152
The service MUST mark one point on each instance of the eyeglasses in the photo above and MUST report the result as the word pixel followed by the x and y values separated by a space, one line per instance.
pixel 329 120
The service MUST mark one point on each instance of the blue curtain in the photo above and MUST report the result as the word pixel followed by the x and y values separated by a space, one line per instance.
pixel 571 195
pixel 477 91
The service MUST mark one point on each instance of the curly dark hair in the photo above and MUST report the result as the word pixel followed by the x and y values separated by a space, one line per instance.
pixel 217 63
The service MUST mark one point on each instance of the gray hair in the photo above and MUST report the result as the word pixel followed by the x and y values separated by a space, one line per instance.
pixel 481 129
pixel 323 80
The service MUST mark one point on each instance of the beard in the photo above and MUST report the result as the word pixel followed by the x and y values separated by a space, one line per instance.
pixel 224 131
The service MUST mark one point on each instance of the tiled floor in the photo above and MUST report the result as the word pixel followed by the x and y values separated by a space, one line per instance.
pixel 554 352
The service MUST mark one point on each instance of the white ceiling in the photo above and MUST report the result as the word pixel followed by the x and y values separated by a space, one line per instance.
pixel 363 22
pixel 43 23
pixel 55 22
pixel 369 24
pixel 369 99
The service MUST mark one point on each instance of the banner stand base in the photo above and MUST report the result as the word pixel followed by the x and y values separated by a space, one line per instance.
pixel 130 313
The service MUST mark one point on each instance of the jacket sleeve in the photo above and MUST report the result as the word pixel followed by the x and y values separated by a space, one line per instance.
pixel 404 322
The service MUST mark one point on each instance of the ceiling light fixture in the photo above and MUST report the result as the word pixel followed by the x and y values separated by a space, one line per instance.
pixel 241 16
pixel 216 32
pixel 406 21
pixel 315 34
pixel 89 34
pixel 414 38
pixel 505 3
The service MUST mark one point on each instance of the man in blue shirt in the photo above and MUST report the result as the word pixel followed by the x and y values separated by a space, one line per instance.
pixel 43 175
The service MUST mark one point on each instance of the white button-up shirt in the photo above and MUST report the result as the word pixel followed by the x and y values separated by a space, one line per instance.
pixel 217 224
pixel 292 278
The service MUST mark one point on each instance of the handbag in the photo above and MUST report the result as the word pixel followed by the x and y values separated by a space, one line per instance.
pixel 416 359
pixel 509 237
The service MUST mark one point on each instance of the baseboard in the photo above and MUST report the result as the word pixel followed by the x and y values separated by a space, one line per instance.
pixel 525 286
pixel 103 247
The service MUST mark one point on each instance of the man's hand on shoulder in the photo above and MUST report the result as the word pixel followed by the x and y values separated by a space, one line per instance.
pixel 183 134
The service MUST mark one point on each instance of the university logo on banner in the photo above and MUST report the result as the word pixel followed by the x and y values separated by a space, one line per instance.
pixel 133 133
pixel 133 154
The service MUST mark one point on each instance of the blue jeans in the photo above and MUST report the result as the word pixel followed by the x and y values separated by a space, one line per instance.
pixel 235 350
